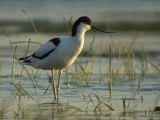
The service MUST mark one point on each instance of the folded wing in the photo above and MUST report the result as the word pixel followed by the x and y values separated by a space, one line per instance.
pixel 42 52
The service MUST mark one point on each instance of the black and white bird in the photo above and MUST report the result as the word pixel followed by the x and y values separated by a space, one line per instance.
pixel 59 53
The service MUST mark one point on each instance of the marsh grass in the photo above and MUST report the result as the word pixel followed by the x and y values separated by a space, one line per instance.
pixel 84 71
pixel 82 74
pixel 1 71
pixel 4 108
pixel 32 23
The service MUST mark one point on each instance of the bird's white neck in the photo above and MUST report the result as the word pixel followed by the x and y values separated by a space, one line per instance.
pixel 80 32
pixel 79 38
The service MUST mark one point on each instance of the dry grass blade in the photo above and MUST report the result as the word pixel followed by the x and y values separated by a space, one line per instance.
pixel 99 101
pixel 0 70
pixel 68 24
pixel 155 66
pixel 7 34
pixel 25 92
pixel 31 21
pixel 26 42
pixel 15 58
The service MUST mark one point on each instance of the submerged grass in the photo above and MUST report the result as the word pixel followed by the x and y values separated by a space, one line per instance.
pixel 100 107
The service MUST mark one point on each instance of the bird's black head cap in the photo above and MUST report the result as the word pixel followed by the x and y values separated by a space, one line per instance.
pixel 83 19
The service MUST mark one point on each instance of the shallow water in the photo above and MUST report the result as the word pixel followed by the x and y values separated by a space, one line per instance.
pixel 80 95
pixel 85 94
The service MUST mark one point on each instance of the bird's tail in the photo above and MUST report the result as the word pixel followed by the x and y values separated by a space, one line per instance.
pixel 23 58
pixel 26 60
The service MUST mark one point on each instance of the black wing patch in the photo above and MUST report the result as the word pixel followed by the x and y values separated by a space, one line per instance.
pixel 24 58
pixel 55 41
pixel 43 56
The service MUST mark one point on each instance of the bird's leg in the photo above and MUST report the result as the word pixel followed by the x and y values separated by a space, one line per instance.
pixel 53 86
pixel 59 78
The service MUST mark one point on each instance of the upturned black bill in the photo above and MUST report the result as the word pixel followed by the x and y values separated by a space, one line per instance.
pixel 101 30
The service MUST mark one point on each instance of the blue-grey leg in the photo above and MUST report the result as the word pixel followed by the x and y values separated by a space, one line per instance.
pixel 53 86
pixel 58 88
